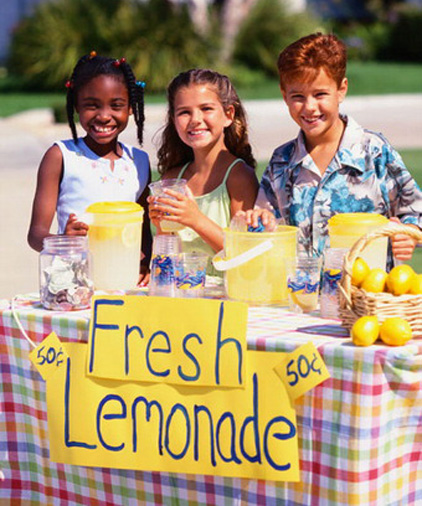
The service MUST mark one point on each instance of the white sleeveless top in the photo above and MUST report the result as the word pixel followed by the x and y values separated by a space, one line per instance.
pixel 88 178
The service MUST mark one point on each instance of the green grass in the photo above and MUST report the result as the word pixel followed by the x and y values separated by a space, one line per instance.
pixel 365 78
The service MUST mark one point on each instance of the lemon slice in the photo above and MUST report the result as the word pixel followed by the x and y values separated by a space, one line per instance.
pixel 130 235
pixel 306 301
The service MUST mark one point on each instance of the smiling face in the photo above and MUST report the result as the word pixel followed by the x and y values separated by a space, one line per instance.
pixel 103 107
pixel 199 117
pixel 314 106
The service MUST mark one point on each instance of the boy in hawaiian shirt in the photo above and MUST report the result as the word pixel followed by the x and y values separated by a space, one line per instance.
pixel 334 165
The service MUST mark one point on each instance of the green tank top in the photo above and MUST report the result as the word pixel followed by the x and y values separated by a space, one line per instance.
pixel 215 205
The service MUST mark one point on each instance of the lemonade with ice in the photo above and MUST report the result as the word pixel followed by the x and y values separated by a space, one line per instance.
pixel 115 234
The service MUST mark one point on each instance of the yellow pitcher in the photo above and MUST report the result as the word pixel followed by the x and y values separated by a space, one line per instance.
pixel 257 265
pixel 346 228
pixel 115 235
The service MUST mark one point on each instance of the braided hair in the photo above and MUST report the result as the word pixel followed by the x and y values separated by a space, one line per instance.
pixel 173 152
pixel 91 66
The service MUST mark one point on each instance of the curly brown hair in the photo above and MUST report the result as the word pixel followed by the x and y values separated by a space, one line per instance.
pixel 303 59
pixel 173 152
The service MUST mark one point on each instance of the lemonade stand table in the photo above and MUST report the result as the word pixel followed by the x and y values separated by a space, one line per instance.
pixel 360 432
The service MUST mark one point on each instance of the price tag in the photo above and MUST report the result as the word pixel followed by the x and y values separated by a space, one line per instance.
pixel 302 370
pixel 48 356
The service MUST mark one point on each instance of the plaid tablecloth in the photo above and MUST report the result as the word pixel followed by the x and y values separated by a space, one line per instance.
pixel 360 432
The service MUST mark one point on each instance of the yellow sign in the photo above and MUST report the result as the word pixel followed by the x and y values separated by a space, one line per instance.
pixel 48 356
pixel 302 370
pixel 168 340
pixel 249 433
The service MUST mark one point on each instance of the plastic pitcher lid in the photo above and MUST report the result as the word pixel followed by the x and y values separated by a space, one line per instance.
pixel 114 207
pixel 357 219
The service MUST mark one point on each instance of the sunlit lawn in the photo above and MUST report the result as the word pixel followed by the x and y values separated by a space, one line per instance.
pixel 364 78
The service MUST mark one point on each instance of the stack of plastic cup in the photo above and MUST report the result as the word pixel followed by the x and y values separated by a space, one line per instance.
pixel 191 274
pixel 165 253
pixel 331 276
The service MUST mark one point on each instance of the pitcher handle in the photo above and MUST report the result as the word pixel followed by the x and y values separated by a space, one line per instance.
pixel 224 265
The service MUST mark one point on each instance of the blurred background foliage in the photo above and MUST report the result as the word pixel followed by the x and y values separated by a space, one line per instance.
pixel 159 38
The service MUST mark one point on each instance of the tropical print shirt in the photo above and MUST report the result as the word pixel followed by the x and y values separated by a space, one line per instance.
pixel 365 175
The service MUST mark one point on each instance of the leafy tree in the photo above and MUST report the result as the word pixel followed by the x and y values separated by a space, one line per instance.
pixel 266 31
pixel 157 38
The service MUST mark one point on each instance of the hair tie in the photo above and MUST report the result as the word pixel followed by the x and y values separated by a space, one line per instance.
pixel 117 63
pixel 140 84
pixel 92 54
pixel 69 84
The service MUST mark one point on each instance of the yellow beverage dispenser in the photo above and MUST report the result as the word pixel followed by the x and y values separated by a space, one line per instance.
pixel 115 236
pixel 257 265
pixel 346 228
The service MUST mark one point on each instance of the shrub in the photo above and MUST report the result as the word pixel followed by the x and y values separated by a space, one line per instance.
pixel 266 31
pixel 156 37
pixel 405 41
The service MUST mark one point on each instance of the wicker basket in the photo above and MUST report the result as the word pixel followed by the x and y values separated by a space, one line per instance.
pixel 355 302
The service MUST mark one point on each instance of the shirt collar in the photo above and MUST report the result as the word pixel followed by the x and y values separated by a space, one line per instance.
pixel 351 151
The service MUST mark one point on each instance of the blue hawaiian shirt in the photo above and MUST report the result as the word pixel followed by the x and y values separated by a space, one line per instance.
pixel 365 175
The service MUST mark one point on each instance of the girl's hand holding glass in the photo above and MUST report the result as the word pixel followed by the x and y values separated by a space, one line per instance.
pixel 178 208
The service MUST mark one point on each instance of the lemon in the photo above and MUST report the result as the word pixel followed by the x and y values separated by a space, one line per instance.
pixel 395 331
pixel 400 279
pixel 375 281
pixel 416 285
pixel 130 235
pixel 360 271
pixel 365 331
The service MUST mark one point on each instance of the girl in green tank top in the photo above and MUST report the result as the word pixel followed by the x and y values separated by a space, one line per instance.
pixel 205 142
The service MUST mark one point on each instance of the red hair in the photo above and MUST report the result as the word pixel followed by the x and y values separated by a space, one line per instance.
pixel 303 59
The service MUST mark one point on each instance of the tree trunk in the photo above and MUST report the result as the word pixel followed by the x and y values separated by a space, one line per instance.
pixel 233 13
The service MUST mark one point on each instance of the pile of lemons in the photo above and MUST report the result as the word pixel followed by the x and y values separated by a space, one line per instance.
pixel 401 280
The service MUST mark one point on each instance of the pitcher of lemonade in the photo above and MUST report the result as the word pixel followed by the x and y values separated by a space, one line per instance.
pixel 115 236
pixel 257 265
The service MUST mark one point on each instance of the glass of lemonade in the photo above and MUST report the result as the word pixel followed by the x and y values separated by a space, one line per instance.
pixel 115 236
pixel 303 284
pixel 157 190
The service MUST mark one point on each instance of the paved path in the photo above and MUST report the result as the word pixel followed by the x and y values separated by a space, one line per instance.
pixel 25 137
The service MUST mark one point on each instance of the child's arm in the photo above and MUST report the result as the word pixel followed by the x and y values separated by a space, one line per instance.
pixel 243 187
pixel 402 245
pixel 406 203
pixel 146 236
pixel 46 195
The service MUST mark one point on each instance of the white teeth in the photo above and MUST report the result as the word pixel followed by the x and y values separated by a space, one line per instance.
pixel 196 132
pixel 103 129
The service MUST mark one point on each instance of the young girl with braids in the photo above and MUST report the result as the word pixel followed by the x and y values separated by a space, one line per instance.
pixel 80 171
pixel 205 141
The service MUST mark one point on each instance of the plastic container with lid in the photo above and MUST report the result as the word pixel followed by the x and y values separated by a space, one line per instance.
pixel 115 237
pixel 346 228
pixel 257 265
pixel 65 281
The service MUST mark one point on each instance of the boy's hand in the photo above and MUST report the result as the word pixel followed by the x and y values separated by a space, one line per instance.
pixel 267 218
pixel 403 245
pixel 75 227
